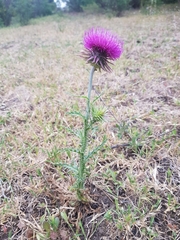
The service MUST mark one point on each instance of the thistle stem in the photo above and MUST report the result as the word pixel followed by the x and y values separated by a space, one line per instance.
pixel 84 140
pixel 89 92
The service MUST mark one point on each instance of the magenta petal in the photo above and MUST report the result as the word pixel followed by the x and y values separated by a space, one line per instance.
pixel 103 41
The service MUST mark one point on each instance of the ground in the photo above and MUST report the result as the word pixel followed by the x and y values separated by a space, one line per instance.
pixel 133 190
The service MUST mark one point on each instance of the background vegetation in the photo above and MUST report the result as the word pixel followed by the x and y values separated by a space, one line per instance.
pixel 23 10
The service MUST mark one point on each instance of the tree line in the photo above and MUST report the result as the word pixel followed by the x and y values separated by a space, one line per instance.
pixel 23 10
pixel 116 5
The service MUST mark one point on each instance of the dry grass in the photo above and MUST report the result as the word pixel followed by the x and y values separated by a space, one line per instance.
pixel 133 189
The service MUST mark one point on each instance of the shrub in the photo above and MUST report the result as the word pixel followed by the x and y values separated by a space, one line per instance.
pixel 76 5
pixel 23 11
pixel 5 12
pixel 116 5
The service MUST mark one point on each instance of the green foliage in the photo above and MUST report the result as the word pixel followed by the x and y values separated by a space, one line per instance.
pixel 150 3
pixel 53 222
pixel 115 5
pixel 120 5
pixel 42 8
pixel 24 10
pixel 135 4
pixel 2 13
pixel 79 169
pixel 97 114
pixel 76 5
pixel 170 1
pixel 51 225
pixel 6 12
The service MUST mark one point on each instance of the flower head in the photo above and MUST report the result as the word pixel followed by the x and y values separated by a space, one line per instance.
pixel 102 47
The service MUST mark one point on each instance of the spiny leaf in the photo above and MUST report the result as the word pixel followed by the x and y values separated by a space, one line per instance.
pixel 76 113
pixel 95 150
pixel 98 114
pixel 71 150
pixel 70 130
pixel 97 98
pixel 70 167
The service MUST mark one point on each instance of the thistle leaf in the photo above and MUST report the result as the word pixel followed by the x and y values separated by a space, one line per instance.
pixel 98 114
pixel 76 113
pixel 95 150
pixel 71 150
pixel 70 167
pixel 97 98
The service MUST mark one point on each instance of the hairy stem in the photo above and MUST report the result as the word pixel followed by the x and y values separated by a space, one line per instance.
pixel 89 93
pixel 84 140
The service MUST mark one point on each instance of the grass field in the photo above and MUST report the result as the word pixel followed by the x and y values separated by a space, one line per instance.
pixel 133 190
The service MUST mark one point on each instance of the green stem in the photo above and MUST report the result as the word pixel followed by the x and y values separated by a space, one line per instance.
pixel 89 92
pixel 84 138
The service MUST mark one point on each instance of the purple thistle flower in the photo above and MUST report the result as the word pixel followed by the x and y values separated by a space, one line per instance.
pixel 102 47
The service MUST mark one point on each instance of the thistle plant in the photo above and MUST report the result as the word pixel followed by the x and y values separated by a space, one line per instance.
pixel 101 49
